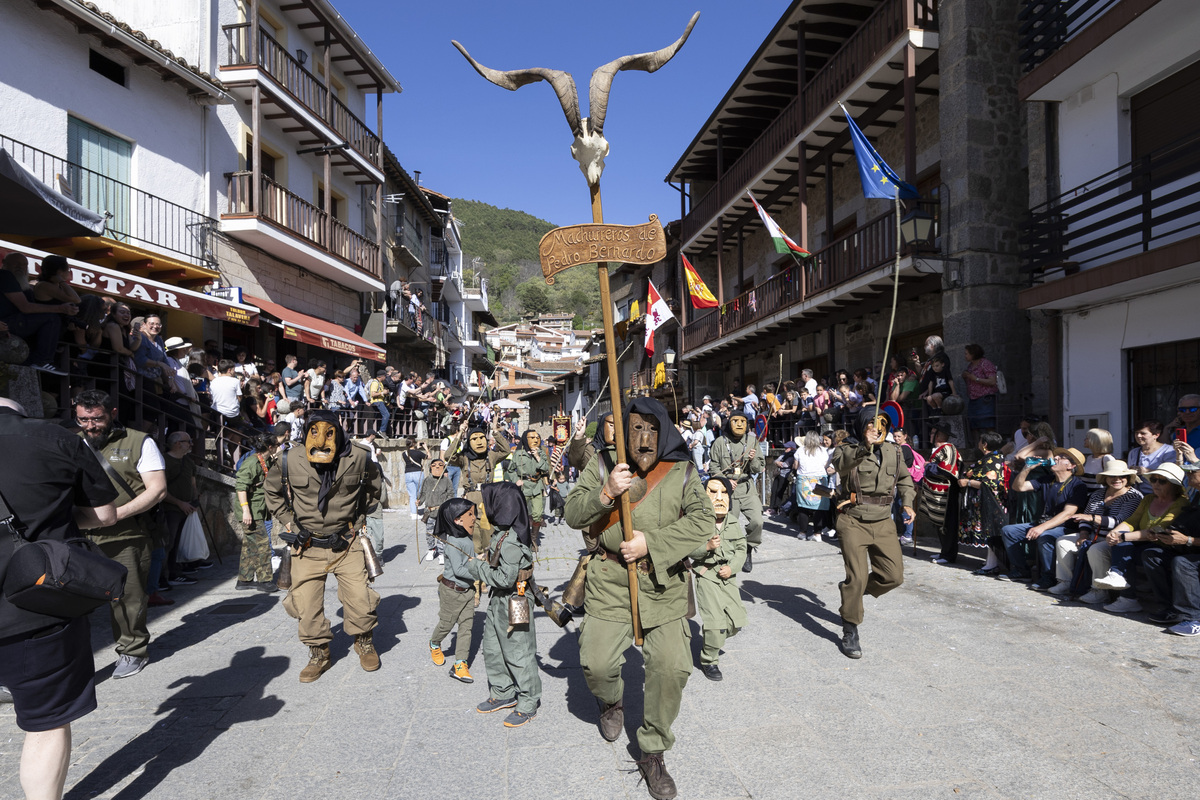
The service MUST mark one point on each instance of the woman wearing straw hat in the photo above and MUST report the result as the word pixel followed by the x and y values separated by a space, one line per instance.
pixel 1107 507
pixel 1114 559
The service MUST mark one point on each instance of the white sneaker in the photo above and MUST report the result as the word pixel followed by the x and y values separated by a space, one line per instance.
pixel 1124 605
pixel 429 556
pixel 1111 580
pixel 441 559
pixel 1094 596
pixel 1061 588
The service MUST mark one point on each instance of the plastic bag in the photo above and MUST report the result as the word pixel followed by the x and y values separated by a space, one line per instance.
pixel 192 546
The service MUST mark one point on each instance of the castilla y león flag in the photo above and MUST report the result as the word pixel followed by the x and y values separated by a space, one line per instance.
pixel 701 296
pixel 657 314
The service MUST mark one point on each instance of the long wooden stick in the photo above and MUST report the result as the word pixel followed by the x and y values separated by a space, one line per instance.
pixel 614 393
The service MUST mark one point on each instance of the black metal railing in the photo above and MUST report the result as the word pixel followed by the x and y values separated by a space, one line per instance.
pixel 1046 25
pixel 132 215
pixel 1134 208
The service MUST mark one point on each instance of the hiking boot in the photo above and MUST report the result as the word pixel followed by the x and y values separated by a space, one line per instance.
pixel 612 720
pixel 711 671
pixel 459 672
pixel 492 704
pixel 366 652
pixel 319 663
pixel 747 568
pixel 436 654
pixel 659 782
pixel 850 646
pixel 266 587
pixel 242 585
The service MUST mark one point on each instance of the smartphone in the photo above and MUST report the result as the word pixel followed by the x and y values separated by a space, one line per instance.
pixel 1181 434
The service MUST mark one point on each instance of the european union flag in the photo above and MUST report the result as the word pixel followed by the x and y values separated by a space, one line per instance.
pixel 878 179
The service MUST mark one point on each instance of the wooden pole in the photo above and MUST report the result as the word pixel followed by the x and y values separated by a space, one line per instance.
pixel 614 394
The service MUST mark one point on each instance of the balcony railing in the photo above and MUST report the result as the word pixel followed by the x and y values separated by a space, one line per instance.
pixel 439 257
pixel 1135 208
pixel 305 87
pixel 1046 25
pixel 878 31
pixel 857 253
pixel 303 219
pixel 133 215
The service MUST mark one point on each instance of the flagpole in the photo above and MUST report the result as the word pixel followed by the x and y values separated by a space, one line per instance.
pixel 882 380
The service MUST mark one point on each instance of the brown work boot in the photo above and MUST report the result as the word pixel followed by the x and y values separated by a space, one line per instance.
pixel 319 663
pixel 612 720
pixel 659 782
pixel 366 652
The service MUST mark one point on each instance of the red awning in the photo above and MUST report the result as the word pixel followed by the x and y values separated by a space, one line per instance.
pixel 318 332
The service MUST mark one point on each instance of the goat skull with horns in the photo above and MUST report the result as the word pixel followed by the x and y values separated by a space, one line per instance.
pixel 590 147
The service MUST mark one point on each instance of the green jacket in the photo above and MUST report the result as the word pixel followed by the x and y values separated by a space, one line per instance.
pixel 251 479
pixel 676 519
pixel 717 596
pixel 476 471
pixel 356 489
pixel 531 469
pixel 727 456
pixel 123 450
pixel 879 469
pixel 514 557
pixel 435 491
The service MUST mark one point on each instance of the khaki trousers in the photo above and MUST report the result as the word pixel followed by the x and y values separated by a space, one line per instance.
pixel 668 659
pixel 455 608
pixel 129 629
pixel 874 564
pixel 305 601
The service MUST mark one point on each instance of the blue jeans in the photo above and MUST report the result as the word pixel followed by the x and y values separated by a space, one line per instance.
pixel 898 515
pixel 1014 545
pixel 412 482
pixel 386 415
pixel 158 557
pixel 454 473
pixel 981 413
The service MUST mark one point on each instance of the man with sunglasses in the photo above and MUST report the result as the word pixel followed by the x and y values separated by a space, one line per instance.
pixel 1061 499
pixel 1188 418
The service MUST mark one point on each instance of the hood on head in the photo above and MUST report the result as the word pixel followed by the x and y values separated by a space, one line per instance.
pixel 671 446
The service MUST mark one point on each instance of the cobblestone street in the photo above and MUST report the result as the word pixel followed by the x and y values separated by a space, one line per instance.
pixel 969 687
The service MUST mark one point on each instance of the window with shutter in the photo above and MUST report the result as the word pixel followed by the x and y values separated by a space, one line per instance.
pixel 99 173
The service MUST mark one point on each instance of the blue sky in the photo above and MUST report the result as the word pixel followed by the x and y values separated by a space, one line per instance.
pixel 470 138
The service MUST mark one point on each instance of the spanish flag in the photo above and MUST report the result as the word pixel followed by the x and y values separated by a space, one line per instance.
pixel 701 296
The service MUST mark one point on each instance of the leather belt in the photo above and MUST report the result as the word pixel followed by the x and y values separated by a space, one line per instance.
pixel 877 500
pixel 643 565
pixel 460 589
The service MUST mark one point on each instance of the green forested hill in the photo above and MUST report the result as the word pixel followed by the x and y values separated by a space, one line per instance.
pixel 506 242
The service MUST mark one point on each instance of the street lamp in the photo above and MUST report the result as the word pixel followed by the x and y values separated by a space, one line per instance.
pixel 669 357
pixel 916 229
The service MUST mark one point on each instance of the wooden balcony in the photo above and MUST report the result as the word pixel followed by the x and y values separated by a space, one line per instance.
pixel 858 253
pixel 290 76
pixel 890 20
pixel 303 219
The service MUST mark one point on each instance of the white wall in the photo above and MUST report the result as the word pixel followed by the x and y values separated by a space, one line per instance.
pixel 1093 356
pixel 175 24
pixel 1093 133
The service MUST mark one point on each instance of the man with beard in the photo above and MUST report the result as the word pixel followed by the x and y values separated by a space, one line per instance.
pixel 529 472
pixel 716 564
pixel 736 458
pixel 319 496
pixel 672 517
pixel 580 451
pixel 871 471
pixel 135 466
pixel 478 465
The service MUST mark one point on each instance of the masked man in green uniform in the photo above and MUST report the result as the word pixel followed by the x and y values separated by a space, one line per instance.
pixel 319 496
pixel 529 472
pixel 672 517
pixel 871 472
pixel 715 565
pixel 478 465
pixel 735 457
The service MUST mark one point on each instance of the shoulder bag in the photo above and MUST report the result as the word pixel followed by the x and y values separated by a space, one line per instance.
pixel 65 579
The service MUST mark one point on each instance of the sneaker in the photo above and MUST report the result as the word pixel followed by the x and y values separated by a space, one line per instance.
pixel 437 655
pixel 1060 588
pixel 53 370
pixel 157 599
pixel 906 541
pixel 990 572
pixel 1094 596
pixel 1124 605
pixel 1112 580
pixel 441 559
pixel 1041 587
pixel 1186 628
pixel 202 565
pixel 939 560
pixel 128 666
pixel 1012 576
pixel 430 556
pixel 182 580
pixel 516 719
pixel 1168 616
pixel 459 672
pixel 491 704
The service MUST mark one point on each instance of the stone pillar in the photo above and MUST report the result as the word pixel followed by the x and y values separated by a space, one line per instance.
pixel 983 164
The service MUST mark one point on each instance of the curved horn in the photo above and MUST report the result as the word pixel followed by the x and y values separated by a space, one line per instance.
pixel 562 82
pixel 602 77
